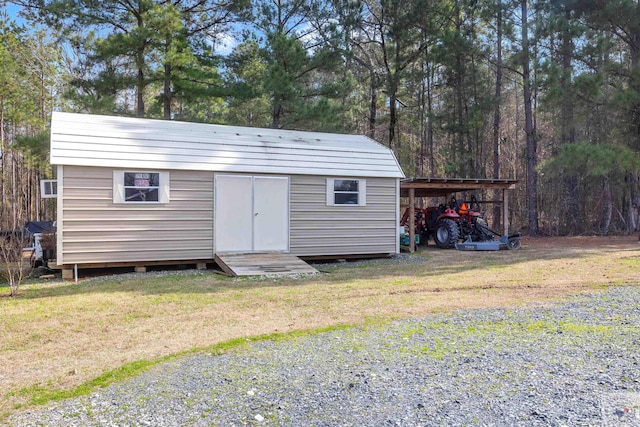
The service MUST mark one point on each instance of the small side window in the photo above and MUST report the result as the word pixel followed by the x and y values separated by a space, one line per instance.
pixel 140 187
pixel 346 192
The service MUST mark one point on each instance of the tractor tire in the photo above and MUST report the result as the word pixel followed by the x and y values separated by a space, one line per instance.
pixel 447 234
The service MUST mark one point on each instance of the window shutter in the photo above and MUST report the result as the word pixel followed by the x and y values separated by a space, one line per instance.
pixel 331 200
pixel 118 186
pixel 164 189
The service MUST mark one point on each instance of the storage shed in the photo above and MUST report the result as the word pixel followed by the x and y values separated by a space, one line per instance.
pixel 151 191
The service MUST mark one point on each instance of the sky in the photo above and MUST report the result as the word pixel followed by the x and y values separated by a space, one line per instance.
pixel 225 44
pixel 12 11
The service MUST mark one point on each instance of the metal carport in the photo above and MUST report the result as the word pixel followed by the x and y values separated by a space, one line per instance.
pixel 444 187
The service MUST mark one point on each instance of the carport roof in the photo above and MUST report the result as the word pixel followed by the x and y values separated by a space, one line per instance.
pixel 441 187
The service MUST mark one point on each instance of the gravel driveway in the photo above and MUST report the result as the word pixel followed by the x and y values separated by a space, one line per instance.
pixel 576 363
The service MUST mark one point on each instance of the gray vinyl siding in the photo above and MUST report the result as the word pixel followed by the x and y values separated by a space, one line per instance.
pixel 95 230
pixel 318 230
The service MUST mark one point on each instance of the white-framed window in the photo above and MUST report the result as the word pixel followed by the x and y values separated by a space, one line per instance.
pixel 140 187
pixel 48 188
pixel 346 192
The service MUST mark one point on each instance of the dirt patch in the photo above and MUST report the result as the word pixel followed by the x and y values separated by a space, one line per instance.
pixel 581 242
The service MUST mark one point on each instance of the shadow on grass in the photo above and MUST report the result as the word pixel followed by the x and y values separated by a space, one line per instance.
pixel 425 263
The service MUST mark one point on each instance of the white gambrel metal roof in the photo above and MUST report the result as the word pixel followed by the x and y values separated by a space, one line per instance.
pixel 121 142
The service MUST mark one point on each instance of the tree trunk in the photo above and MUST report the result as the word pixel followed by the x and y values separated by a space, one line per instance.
pixel 140 85
pixel 140 79
pixel 459 91
pixel 459 115
pixel 532 155
pixel 276 113
pixel 477 160
pixel 568 130
pixel 430 142
pixel 635 202
pixel 635 85
pixel 393 114
pixel 422 121
pixel 167 96
pixel 634 54
pixel 608 208
pixel 14 188
pixel 3 158
pixel 373 101
pixel 497 214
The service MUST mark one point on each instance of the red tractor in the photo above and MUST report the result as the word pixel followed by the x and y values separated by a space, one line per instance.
pixel 448 225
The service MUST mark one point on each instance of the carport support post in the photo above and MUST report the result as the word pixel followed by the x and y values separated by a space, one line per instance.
pixel 505 211
pixel 412 220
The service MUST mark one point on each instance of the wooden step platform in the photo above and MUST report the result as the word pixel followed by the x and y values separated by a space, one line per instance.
pixel 258 264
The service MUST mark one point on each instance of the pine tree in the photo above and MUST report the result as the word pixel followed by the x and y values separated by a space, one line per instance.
pixel 300 75
pixel 134 44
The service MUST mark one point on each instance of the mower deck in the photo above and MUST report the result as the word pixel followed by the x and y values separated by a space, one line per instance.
pixel 505 242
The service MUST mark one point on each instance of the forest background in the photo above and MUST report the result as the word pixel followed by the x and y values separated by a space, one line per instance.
pixel 546 92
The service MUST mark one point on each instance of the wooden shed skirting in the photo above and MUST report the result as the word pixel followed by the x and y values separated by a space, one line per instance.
pixel 139 266
pixel 251 264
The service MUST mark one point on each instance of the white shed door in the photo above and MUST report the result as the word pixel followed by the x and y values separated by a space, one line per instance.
pixel 233 228
pixel 271 213
pixel 251 213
